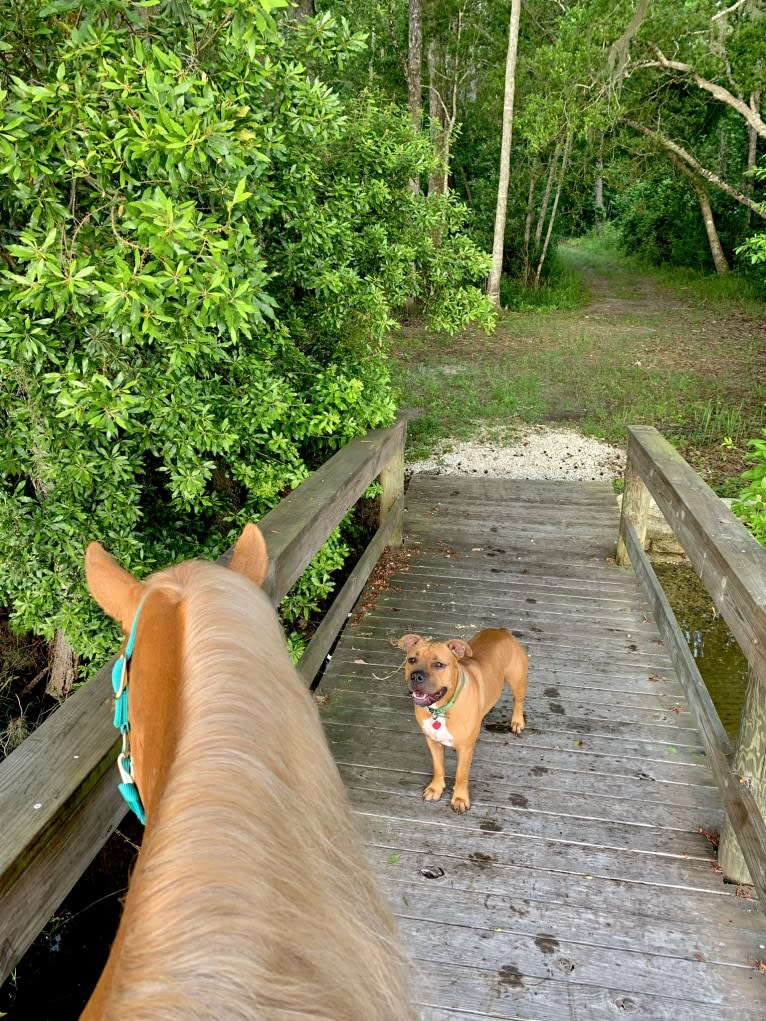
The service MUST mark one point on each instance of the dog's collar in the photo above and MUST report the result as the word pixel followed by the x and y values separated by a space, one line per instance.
pixel 440 710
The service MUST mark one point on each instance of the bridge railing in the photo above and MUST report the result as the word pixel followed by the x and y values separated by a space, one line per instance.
pixel 59 801
pixel 732 567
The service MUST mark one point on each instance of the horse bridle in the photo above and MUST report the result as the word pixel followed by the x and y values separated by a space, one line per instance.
pixel 127 787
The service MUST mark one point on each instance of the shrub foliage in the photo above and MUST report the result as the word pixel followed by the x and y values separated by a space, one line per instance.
pixel 203 248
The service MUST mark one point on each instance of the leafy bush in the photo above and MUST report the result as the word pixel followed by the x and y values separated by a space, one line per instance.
pixel 202 250
pixel 753 250
pixel 658 221
pixel 750 506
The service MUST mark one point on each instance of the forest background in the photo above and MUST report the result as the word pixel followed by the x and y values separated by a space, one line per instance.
pixel 224 226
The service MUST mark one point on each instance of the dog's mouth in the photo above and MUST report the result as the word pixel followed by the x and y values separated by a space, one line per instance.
pixel 425 698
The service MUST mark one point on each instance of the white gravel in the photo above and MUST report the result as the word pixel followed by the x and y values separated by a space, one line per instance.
pixel 537 452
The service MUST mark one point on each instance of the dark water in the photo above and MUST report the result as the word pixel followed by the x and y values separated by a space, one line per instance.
pixel 718 657
pixel 57 974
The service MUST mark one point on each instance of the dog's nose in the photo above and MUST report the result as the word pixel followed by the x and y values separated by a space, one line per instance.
pixel 416 678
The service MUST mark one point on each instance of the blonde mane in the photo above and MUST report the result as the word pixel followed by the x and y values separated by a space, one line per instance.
pixel 250 898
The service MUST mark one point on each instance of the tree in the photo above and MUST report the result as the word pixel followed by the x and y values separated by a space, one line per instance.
pixel 493 284
pixel 204 247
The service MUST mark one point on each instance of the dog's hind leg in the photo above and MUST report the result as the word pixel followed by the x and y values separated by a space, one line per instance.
pixel 516 679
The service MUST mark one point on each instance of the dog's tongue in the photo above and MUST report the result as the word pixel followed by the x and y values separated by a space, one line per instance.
pixel 424 699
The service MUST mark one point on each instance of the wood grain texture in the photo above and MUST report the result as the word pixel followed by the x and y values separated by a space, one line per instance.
pixel 728 560
pixel 583 883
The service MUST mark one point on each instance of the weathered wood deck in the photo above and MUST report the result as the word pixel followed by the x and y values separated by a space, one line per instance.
pixel 581 884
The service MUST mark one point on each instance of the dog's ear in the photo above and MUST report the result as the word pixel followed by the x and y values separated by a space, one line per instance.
pixel 408 641
pixel 460 650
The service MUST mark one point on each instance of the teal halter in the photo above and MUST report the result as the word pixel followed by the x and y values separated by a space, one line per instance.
pixel 128 787
pixel 437 711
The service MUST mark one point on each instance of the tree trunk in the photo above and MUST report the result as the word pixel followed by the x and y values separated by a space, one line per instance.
pixel 63 667
pixel 493 284
pixel 526 270
pixel 414 72
pixel 552 220
pixel 598 203
pixel 299 10
pixel 719 259
pixel 546 199
pixel 752 151
pixel 436 114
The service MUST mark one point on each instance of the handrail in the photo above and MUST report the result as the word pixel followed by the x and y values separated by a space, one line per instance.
pixel 732 566
pixel 59 801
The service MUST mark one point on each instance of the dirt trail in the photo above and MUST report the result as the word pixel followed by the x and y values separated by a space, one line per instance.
pixel 692 333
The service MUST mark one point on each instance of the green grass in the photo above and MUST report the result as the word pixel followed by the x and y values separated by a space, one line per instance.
pixel 679 351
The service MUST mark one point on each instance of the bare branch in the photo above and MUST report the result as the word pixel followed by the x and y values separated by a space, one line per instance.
pixel 678 151
pixel 618 52
pixel 751 116
pixel 722 14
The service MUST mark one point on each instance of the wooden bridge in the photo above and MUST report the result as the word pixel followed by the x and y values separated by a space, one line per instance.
pixel 584 882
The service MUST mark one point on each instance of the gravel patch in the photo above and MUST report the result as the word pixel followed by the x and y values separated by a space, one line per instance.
pixel 537 452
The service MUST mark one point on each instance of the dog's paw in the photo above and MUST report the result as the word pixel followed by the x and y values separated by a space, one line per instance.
pixel 432 793
pixel 459 804
pixel 517 725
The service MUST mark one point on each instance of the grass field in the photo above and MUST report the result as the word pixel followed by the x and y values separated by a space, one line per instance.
pixel 615 345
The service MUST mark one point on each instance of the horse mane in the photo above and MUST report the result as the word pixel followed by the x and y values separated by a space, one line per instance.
pixel 250 898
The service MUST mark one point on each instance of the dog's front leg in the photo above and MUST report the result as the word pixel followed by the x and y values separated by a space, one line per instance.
pixel 436 787
pixel 460 800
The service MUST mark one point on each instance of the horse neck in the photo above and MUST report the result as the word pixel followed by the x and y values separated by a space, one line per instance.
pixel 155 693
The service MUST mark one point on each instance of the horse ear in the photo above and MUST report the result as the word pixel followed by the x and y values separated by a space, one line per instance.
pixel 250 556
pixel 116 592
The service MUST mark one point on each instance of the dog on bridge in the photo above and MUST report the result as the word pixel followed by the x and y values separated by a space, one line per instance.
pixel 453 685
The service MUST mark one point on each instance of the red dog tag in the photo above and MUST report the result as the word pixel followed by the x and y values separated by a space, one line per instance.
pixel 436 724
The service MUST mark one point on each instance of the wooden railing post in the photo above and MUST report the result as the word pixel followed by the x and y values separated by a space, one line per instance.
pixel 635 508
pixel 750 767
pixel 392 480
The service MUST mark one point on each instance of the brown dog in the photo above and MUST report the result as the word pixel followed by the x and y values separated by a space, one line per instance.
pixel 453 686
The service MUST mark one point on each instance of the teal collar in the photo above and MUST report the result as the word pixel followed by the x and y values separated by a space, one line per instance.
pixel 128 787
pixel 437 711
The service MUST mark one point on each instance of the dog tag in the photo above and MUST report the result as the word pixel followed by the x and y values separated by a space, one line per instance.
pixel 438 730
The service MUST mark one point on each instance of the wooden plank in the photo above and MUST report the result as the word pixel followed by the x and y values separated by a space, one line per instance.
pixel 728 560
pixel 551 719
pixel 325 635
pixel 366 745
pixel 627 907
pixel 634 511
pixel 59 803
pixel 478 906
pixel 578 983
pixel 739 803
pixel 673 806
pixel 557 823
pixel 509 789
pixel 68 849
pixel 599 699
pixel 48 775
pixel 584 834
pixel 500 491
pixel 446 841
pixel 298 526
